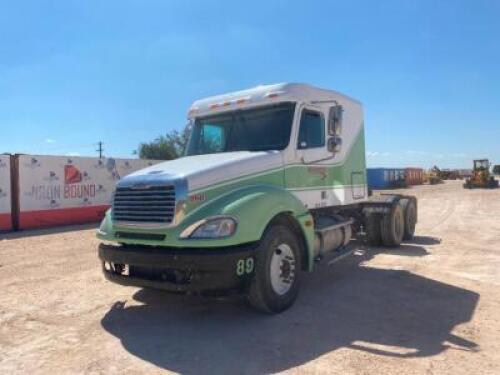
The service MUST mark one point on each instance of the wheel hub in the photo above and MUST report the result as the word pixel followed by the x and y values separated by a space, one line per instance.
pixel 282 269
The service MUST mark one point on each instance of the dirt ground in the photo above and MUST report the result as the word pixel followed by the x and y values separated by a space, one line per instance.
pixel 430 307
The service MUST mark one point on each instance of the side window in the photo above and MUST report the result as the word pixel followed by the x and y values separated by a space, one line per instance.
pixel 212 139
pixel 312 130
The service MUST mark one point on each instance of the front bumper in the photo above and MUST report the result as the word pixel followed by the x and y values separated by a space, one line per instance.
pixel 180 270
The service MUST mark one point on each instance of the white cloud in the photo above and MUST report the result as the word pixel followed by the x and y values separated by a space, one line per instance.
pixel 49 140
pixel 73 154
pixel 373 154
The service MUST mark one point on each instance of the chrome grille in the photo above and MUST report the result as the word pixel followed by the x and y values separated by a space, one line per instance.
pixel 151 204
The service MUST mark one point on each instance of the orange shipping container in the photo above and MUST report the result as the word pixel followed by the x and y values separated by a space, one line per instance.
pixel 414 176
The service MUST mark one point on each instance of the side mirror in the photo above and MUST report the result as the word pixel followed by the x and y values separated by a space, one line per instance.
pixel 334 144
pixel 335 117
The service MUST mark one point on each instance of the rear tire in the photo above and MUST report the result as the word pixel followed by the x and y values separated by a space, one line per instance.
pixel 393 226
pixel 275 284
pixel 372 230
pixel 410 216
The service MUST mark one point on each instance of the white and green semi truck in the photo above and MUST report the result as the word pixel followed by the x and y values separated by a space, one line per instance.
pixel 273 180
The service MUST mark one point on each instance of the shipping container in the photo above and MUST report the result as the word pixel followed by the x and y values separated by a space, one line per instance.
pixel 59 190
pixel 378 178
pixel 399 178
pixel 464 173
pixel 385 178
pixel 414 176
pixel 5 196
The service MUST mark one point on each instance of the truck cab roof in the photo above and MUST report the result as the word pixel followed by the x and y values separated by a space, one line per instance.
pixel 267 94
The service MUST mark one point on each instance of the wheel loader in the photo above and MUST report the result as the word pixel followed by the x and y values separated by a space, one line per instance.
pixel 481 177
pixel 433 176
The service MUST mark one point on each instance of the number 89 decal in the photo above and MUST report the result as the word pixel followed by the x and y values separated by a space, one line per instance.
pixel 244 266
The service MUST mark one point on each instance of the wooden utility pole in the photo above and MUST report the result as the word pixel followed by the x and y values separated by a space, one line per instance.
pixel 100 149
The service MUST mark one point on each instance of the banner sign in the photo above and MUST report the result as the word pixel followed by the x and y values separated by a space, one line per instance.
pixel 57 190
pixel 5 198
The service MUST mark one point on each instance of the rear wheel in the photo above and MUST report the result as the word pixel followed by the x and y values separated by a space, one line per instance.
pixel 410 217
pixel 275 284
pixel 393 226
pixel 492 183
pixel 372 229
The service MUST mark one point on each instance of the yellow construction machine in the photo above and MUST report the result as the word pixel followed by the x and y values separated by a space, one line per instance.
pixel 481 177
pixel 433 176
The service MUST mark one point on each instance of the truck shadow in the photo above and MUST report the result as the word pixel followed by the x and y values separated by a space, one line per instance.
pixel 411 248
pixel 347 305
pixel 426 240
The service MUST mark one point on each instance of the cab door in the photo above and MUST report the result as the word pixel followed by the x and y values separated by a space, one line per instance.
pixel 311 137
pixel 308 176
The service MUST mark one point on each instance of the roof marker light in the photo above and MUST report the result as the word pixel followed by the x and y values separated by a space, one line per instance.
pixel 271 94
pixel 241 100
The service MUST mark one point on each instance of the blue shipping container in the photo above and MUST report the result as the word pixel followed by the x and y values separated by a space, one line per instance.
pixel 385 178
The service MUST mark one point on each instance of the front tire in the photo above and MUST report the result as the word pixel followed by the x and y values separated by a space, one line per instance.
pixel 275 284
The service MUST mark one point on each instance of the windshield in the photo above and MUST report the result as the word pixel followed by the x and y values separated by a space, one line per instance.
pixel 481 164
pixel 259 129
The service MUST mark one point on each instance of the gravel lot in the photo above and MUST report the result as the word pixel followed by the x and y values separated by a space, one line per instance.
pixel 432 306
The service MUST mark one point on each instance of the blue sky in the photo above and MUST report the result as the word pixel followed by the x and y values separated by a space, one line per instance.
pixel 76 72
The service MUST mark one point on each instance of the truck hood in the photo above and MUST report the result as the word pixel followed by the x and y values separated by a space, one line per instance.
pixel 202 171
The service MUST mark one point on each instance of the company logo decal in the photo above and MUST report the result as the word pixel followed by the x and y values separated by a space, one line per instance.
pixel 195 198
pixel 321 171
pixel 73 187
pixel 71 174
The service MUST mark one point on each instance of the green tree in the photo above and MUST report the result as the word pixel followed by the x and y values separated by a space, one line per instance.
pixel 165 147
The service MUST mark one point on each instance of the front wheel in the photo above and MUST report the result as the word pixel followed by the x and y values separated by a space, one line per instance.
pixel 275 284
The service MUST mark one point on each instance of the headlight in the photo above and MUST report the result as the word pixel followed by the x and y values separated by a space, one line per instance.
pixel 215 227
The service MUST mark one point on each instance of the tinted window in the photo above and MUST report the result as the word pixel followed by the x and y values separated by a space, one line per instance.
pixel 259 129
pixel 312 130
pixel 212 138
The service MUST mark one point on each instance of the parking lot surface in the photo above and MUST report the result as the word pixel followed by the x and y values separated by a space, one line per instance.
pixel 429 307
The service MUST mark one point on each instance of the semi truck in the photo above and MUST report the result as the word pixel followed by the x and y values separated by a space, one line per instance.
pixel 273 181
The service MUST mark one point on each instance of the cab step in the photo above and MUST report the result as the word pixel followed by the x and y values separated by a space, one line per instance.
pixel 337 255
